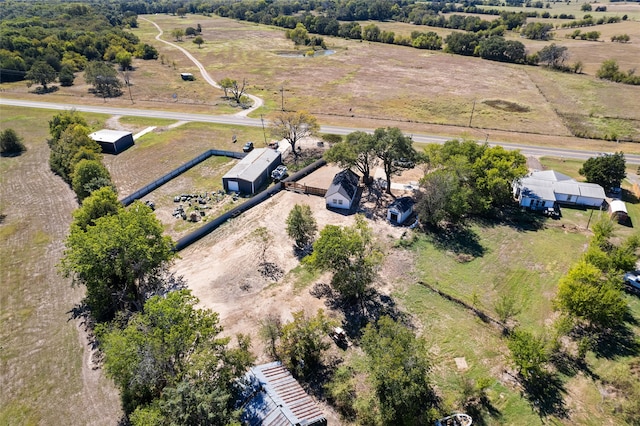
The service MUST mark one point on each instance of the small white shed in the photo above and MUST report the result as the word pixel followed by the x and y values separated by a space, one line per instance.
pixel 400 210
pixel 618 210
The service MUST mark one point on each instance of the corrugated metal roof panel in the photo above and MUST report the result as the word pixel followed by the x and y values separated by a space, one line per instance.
pixel 106 135
pixel 591 190
pixel 278 399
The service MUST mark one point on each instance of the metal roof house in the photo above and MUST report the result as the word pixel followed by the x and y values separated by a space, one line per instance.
pixel 400 210
pixel 343 190
pixel 113 141
pixel 543 189
pixel 272 397
pixel 252 172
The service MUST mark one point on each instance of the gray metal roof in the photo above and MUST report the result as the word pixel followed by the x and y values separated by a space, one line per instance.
pixel 591 190
pixel 345 183
pixel 106 135
pixel 275 398
pixel 537 191
pixel 545 185
pixel 569 188
pixel 402 204
pixel 550 175
pixel 254 164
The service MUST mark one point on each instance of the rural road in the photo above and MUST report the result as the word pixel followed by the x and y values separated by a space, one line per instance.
pixel 257 102
pixel 528 150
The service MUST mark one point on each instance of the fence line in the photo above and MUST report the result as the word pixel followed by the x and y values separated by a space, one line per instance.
pixel 209 227
pixel 177 172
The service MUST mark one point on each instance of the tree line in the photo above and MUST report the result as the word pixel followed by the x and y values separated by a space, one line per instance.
pixel 42 43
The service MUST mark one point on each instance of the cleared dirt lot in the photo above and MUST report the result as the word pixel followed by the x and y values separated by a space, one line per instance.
pixel 222 268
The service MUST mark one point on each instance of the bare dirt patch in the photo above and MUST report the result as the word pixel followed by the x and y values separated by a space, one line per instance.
pixel 222 268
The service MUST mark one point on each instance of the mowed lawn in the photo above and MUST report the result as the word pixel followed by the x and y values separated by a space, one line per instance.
pixel 492 261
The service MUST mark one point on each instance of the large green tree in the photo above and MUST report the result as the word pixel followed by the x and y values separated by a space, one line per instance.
pixel 303 341
pixel 73 146
pixel 59 123
pixel 41 73
pixel 395 151
pixel 399 367
pixel 301 226
pixel 442 197
pixel 293 126
pixel 358 150
pixel 104 79
pixel 118 260
pixel 170 360
pixel 494 173
pixel 528 353
pixel 485 175
pixel 351 254
pixel 101 202
pixel 88 176
pixel 607 170
pixel 553 55
pixel 591 298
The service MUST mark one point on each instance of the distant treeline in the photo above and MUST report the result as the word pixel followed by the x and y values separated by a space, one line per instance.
pixel 64 35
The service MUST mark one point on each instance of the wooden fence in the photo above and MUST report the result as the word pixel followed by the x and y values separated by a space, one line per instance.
pixel 304 189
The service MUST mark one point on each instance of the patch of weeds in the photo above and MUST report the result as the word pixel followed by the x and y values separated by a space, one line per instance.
pixel 506 105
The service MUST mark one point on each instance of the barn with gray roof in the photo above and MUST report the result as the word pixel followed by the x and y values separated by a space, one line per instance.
pixel 252 172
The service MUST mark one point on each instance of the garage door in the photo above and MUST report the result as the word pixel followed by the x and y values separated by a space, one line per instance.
pixel 233 185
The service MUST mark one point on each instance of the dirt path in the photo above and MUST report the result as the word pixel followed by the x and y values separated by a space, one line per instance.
pixel 257 102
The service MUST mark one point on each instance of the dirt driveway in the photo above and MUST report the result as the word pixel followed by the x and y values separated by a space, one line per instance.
pixel 222 268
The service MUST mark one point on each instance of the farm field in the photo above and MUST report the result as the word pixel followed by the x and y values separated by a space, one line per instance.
pixel 417 90
pixel 46 366
pixel 421 91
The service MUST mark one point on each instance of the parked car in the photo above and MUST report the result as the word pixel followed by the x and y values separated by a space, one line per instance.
pixel 248 147
pixel 632 280
pixel 279 173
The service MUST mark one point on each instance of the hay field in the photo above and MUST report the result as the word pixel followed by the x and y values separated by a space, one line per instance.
pixel 389 84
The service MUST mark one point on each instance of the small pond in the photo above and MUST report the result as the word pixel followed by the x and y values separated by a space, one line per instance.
pixel 301 54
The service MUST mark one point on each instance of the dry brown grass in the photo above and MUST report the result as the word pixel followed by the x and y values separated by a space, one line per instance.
pixel 46 374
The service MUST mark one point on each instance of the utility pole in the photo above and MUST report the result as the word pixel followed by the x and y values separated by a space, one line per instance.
pixel 282 97
pixel 263 132
pixel 472 109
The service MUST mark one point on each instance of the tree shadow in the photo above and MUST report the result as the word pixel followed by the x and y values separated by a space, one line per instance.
pixel 44 90
pixel 460 240
pixel 479 408
pixel 522 220
pixel 12 154
pixel 616 342
pixel 570 365
pixel 359 313
pixel 545 392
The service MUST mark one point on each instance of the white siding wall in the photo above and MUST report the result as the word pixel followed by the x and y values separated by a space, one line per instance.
pixel 337 201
